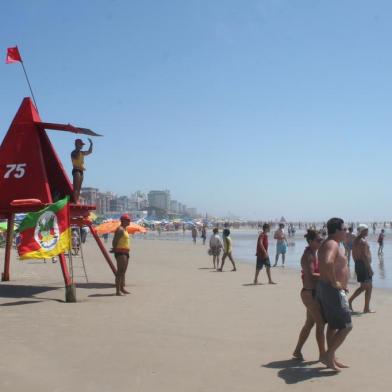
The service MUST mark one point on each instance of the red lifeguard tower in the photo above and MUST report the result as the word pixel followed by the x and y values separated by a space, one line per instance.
pixel 32 176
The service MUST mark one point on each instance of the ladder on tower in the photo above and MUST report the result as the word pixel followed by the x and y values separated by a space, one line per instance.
pixel 72 258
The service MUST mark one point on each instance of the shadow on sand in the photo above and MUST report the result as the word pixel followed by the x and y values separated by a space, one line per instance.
pixel 93 285
pixel 21 291
pixel 102 295
pixel 293 371
pixel 19 303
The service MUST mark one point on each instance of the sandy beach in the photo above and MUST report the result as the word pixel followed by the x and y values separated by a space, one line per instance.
pixel 184 327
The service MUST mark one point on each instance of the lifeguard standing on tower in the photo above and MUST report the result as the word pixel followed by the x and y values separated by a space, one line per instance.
pixel 77 157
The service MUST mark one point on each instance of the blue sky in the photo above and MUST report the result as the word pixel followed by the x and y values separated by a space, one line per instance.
pixel 260 108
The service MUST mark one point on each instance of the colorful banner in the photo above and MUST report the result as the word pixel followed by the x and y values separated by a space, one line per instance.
pixel 46 233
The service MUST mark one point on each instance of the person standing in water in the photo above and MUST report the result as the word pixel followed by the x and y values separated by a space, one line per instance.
pixel 310 275
pixel 77 157
pixel 121 247
pixel 331 291
pixel 281 244
pixel 227 250
pixel 348 243
pixel 380 242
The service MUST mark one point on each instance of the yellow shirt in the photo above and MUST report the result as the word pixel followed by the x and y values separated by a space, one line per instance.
pixel 123 243
pixel 78 163
pixel 227 244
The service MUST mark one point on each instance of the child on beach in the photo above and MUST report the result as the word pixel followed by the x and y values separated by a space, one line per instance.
pixel 227 250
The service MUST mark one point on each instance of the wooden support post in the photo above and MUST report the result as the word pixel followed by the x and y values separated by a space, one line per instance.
pixel 70 291
pixel 103 249
pixel 8 247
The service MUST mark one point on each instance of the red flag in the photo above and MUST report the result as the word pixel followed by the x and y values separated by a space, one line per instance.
pixel 13 55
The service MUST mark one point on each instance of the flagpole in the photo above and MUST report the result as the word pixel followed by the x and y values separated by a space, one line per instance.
pixel 28 82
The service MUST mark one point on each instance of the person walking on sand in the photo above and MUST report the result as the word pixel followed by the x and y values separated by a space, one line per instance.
pixel 227 250
pixel 262 258
pixel 215 247
pixel 281 244
pixel 380 242
pixel 331 291
pixel 310 275
pixel 121 247
pixel 77 157
pixel 362 258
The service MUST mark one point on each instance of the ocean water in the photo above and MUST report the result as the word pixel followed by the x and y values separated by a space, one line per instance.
pixel 244 247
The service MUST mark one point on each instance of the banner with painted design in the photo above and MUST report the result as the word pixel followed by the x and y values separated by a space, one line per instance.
pixel 46 233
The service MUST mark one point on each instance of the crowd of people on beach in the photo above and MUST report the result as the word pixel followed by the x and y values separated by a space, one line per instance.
pixel 324 274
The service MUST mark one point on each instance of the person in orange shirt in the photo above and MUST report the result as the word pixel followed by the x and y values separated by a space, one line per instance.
pixel 121 247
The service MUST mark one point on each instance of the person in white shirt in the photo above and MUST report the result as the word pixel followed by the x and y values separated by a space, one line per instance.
pixel 215 247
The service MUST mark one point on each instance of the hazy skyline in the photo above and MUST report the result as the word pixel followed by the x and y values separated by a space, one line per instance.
pixel 260 108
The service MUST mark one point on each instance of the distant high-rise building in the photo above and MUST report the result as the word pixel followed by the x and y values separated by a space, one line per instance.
pixel 120 204
pixel 139 200
pixel 89 195
pixel 103 202
pixel 159 199
pixel 174 206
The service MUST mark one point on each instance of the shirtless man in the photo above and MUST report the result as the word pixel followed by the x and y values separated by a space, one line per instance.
pixel 281 244
pixel 331 291
pixel 363 269
pixel 77 157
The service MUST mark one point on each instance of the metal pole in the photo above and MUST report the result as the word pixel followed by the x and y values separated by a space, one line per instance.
pixel 103 249
pixel 8 247
pixel 28 82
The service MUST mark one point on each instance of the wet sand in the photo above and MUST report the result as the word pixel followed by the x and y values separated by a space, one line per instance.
pixel 184 327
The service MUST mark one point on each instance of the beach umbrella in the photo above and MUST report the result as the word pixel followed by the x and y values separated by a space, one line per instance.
pixel 134 228
pixel 107 227
pixel 111 226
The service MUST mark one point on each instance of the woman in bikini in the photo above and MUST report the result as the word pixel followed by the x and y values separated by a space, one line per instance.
pixel 310 274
